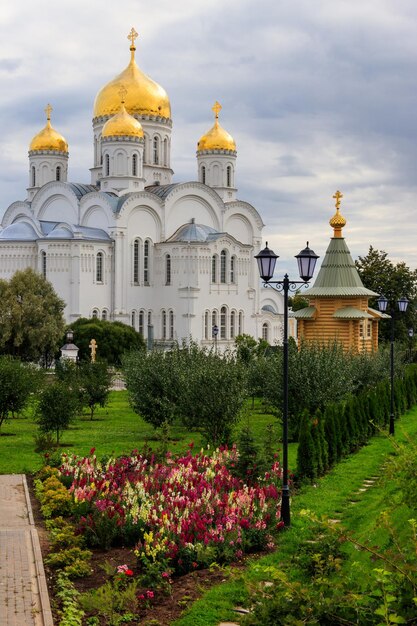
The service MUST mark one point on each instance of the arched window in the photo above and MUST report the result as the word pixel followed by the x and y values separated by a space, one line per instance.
pixel 58 173
pixel 135 165
pixel 229 176
pixel 213 320
pixel 104 314
pixel 107 165
pixel 141 322
pixel 133 319
pixel 203 174
pixel 232 325
pixel 99 267
pixel 95 314
pixel 33 170
pixel 165 151
pixel 43 262
pixel 206 325
pixel 223 260
pixel 171 324
pixel 136 262
pixel 149 318
pixel 156 150
pixel 240 323
pixel 223 317
pixel 164 324
pixel 214 268
pixel 146 263
pixel 232 269
pixel 265 331
pixel 168 269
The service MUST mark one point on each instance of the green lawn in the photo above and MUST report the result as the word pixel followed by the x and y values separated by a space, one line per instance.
pixel 335 496
pixel 116 429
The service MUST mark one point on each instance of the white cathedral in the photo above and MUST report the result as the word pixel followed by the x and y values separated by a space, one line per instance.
pixel 174 260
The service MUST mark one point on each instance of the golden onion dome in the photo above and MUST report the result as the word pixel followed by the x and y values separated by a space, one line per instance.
pixel 337 222
pixel 144 96
pixel 122 124
pixel 48 138
pixel 216 138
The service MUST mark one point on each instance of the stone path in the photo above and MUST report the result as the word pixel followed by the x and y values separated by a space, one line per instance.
pixel 24 599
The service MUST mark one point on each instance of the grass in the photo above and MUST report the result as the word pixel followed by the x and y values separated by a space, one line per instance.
pixel 115 429
pixel 335 496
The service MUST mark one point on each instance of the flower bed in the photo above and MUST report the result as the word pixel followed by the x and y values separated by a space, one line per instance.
pixel 185 513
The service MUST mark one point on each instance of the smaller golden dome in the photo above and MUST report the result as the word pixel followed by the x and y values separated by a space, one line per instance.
pixel 48 138
pixel 216 138
pixel 337 221
pixel 122 124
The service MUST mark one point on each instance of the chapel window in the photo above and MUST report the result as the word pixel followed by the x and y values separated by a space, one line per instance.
pixel 33 176
pixel 146 262
pixel 223 262
pixel 133 319
pixel 107 165
pixel 43 260
pixel 214 268
pixel 58 173
pixel 171 324
pixel 156 150
pixel 265 331
pixel 141 322
pixel 223 318
pixel 206 325
pixel 136 249
pixel 232 269
pixel 229 176
pixel 135 165
pixel 164 324
pixel 232 325
pixel 240 323
pixel 95 314
pixel 168 269
pixel 104 315
pixel 203 175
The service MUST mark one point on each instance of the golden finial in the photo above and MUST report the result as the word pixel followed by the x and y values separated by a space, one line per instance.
pixel 122 93
pixel 48 111
pixel 216 108
pixel 132 36
pixel 337 222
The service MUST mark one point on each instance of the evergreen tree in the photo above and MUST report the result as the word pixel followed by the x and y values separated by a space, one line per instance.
pixel 306 453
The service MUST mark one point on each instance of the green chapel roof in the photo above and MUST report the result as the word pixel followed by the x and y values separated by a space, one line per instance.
pixel 338 276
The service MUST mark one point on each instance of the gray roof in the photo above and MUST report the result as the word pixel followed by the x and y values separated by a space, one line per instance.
pixel 162 191
pixel 81 190
pixel 19 231
pixel 338 275
pixel 193 232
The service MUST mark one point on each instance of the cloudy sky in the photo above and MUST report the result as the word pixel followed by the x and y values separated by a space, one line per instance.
pixel 318 95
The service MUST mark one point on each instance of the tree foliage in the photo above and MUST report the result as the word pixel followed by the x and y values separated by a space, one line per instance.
pixel 58 405
pixel 113 339
pixel 90 382
pixel 31 317
pixel 394 281
pixel 202 389
pixel 17 382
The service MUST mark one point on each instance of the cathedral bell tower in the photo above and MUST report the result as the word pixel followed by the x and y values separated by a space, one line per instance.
pixel 48 157
pixel 216 159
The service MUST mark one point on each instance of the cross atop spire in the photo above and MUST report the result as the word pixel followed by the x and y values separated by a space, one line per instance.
pixel 337 196
pixel 48 111
pixel 216 108
pixel 132 36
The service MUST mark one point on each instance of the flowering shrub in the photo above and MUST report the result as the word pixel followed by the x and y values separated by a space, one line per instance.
pixel 181 514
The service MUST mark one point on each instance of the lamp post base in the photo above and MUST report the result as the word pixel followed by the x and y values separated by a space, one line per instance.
pixel 285 506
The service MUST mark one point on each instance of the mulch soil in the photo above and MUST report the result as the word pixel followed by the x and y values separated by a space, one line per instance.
pixel 163 609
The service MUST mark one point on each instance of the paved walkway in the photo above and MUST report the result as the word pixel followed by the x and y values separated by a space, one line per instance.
pixel 24 597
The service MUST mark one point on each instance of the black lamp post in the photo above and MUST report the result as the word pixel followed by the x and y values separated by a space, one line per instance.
pixel 402 305
pixel 266 263
pixel 215 332
pixel 410 344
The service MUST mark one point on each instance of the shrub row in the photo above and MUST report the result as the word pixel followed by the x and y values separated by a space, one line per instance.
pixel 329 435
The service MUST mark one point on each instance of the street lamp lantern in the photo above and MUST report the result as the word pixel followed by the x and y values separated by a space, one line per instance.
pixel 70 336
pixel 402 305
pixel 266 263
pixel 382 303
pixel 306 260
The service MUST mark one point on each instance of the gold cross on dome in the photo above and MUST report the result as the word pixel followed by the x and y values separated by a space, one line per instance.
pixel 216 108
pixel 337 196
pixel 132 36
pixel 48 111
pixel 122 93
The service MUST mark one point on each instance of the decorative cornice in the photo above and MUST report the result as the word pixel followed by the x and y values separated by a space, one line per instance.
pixel 166 121
pixel 48 152
pixel 216 151
pixel 129 138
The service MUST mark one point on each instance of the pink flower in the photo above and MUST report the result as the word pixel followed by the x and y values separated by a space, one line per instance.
pixel 150 594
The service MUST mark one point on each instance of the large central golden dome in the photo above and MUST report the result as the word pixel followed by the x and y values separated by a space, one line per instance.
pixel 144 96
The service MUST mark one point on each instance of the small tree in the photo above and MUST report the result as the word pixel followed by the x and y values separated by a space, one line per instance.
pixel 17 382
pixel 95 380
pixel 57 408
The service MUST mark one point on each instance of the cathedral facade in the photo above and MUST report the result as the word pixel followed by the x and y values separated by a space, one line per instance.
pixel 174 260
